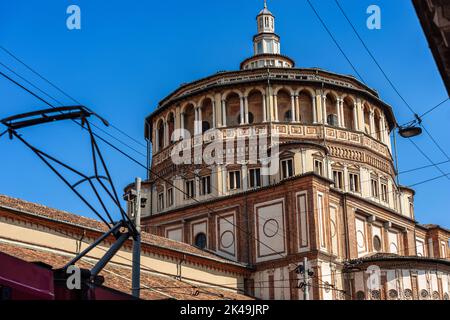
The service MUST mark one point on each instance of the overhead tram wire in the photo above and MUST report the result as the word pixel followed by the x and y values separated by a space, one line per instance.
pixel 435 142
pixel 434 108
pixel 60 103
pixel 64 92
pixel 376 62
pixel 335 41
pixel 418 118
pixel 429 159
pixel 423 167
pixel 373 57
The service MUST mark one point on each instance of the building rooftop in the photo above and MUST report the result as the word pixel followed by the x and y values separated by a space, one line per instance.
pixel 33 209
pixel 154 286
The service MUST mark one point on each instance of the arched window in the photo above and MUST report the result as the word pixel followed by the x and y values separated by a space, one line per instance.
pixel 332 112
pixel 306 108
pixel 255 107
pixel 189 119
pixel 349 121
pixel 207 114
pixel 367 128
pixel 377 120
pixel 284 104
pixel 233 103
pixel 200 240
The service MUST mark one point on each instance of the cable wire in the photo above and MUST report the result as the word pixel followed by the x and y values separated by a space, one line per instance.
pixel 334 40
pixel 62 91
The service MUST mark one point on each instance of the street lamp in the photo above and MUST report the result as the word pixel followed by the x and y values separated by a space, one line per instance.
pixel 409 131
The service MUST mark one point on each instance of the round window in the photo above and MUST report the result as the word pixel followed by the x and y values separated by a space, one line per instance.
pixel 200 240
pixel 377 243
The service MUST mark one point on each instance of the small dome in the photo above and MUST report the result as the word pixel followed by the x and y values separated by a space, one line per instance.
pixel 265 10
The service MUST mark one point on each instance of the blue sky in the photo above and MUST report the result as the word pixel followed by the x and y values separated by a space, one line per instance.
pixel 129 55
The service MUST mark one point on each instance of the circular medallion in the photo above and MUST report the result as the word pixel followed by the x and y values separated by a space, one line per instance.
pixel 393 294
pixel 377 243
pixel 376 295
pixel 227 239
pixel 271 228
pixel 408 294
pixel 424 294
pixel 436 295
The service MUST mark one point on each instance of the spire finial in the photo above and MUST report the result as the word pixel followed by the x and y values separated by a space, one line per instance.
pixel 265 4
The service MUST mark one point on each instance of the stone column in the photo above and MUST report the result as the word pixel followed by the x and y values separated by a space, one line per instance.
pixel 178 195
pixel 218 109
pixel 224 113
pixel 382 128
pixel 224 180
pixel 355 117
pixel 275 107
pixel 177 118
pixel 182 135
pixel 241 111
pixel 293 118
pixel 265 177
pixel 314 106
pixel 264 108
pixel 339 113
pixel 244 175
pixel 342 114
pixel 200 120
pixel 297 108
pixel 324 109
pixel 157 139
pixel 214 120
pixel 214 175
pixel 166 134
pixel 196 184
pixel 346 181
pixel 372 124
pixel 246 109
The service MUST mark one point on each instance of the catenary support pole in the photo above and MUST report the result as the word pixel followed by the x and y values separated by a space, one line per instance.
pixel 136 276
pixel 305 279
